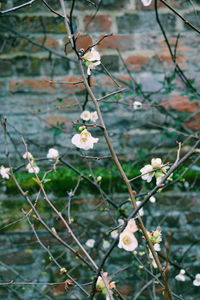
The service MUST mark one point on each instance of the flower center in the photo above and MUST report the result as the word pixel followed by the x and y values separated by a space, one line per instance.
pixel 126 240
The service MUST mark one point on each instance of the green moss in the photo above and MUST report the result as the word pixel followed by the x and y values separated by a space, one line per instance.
pixel 63 180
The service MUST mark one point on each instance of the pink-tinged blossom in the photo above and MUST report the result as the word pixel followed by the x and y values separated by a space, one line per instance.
pixel 196 282
pixel 90 243
pixel 92 59
pixel 127 241
pixel 181 276
pixel 32 168
pixel 84 140
pixel 52 153
pixel 131 226
pixel 27 155
pixel 147 173
pixel 4 172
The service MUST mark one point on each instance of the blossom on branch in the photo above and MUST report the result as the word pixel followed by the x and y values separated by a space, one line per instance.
pixel 27 155
pixel 52 153
pixel 84 140
pixel 4 172
pixel 155 168
pixel 101 287
pixel 137 105
pixel 92 59
pixel 32 168
pixel 90 243
pixel 146 2
pixel 85 115
pixel 127 241
pixel 181 276
pixel 196 282
pixel 93 116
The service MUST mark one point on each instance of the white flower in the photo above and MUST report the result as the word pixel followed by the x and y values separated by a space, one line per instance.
pixel 85 115
pixel 120 222
pixel 84 140
pixel 155 236
pixel 106 244
pixel 131 226
pixel 152 199
pixel 153 262
pixel 93 116
pixel 196 282
pixel 141 211
pixel 127 241
pixel 156 163
pixel 147 173
pixel 137 105
pixel 92 59
pixel 52 153
pixel 90 243
pixel 32 168
pixel 146 2
pixel 157 247
pixel 181 276
pixel 27 155
pixel 4 172
pixel 99 178
pixel 159 179
pixel 114 234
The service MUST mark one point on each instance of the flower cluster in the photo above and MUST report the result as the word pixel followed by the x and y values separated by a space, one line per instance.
pixel 89 116
pixel 101 285
pixel 31 166
pixel 127 240
pixel 155 237
pixel 155 168
pixel 84 140
pixel 4 172
pixel 92 59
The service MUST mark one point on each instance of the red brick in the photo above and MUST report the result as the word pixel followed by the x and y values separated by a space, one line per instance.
pixel 45 85
pixel 181 103
pixel 135 62
pixel 117 41
pixel 98 24
pixel 167 57
pixel 194 123
pixel 82 41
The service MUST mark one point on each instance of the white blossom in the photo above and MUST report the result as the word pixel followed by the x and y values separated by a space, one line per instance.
pixel 114 234
pixel 156 163
pixel 155 236
pixel 137 105
pixel 127 241
pixel 52 153
pixel 120 222
pixel 152 199
pixel 85 115
pixel 32 168
pixel 196 282
pixel 93 116
pixel 146 2
pixel 92 59
pixel 141 211
pixel 84 140
pixel 4 172
pixel 106 244
pixel 181 276
pixel 147 173
pixel 99 178
pixel 90 243
pixel 28 155
pixel 157 247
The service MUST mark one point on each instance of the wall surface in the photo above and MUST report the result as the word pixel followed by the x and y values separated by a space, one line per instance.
pixel 33 67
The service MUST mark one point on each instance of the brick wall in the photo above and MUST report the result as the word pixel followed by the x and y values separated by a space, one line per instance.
pixel 42 109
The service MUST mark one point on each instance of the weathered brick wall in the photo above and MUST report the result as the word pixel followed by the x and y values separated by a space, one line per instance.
pixel 32 103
